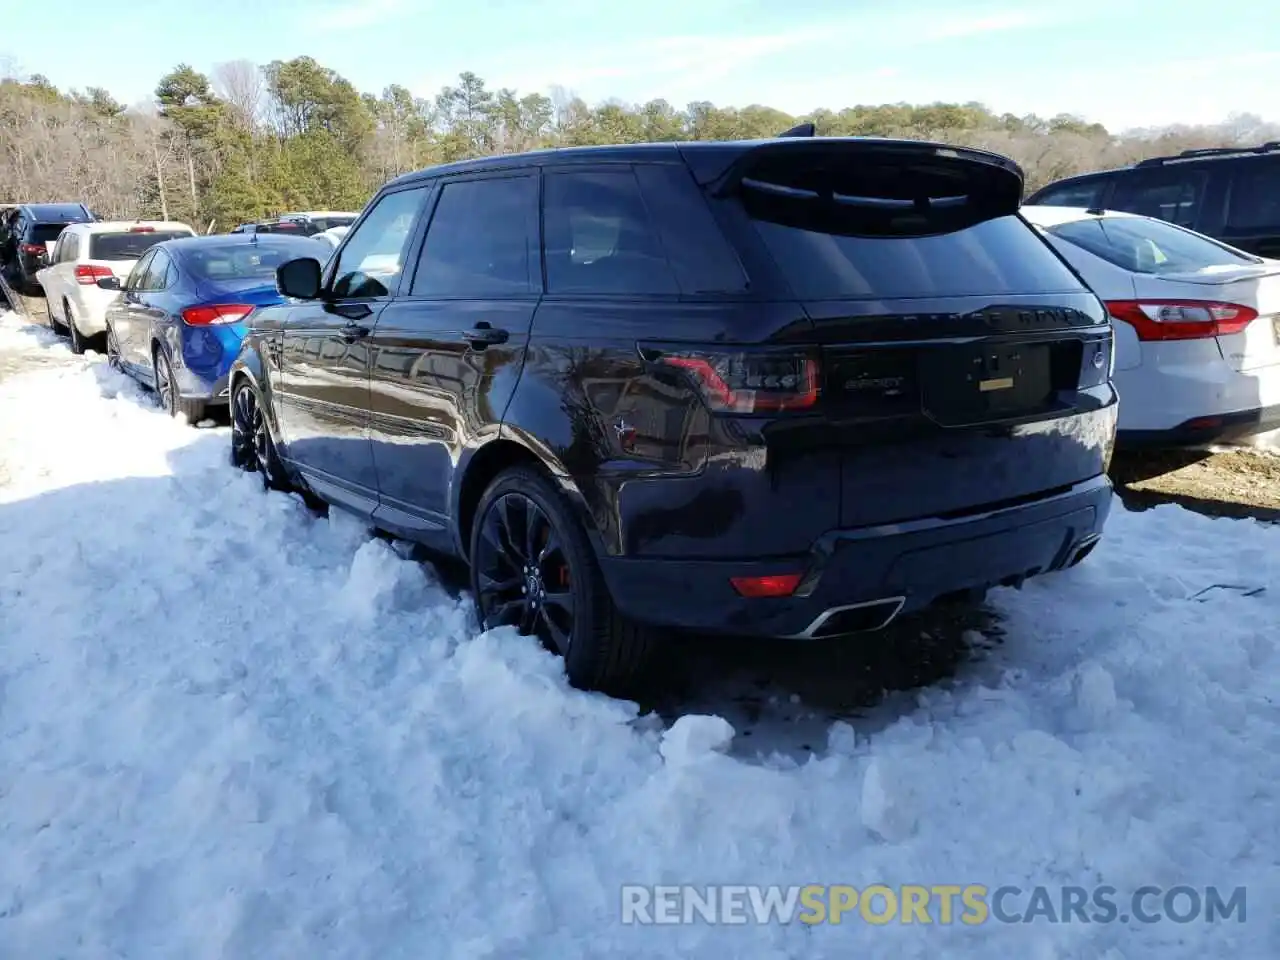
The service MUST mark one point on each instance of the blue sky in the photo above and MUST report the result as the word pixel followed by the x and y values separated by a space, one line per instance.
pixel 1123 62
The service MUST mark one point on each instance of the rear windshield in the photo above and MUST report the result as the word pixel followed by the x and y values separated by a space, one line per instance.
pixel 127 246
pixel 1148 246
pixel 66 212
pixel 992 258
pixel 46 232
pixel 298 228
pixel 242 260
pixel 325 223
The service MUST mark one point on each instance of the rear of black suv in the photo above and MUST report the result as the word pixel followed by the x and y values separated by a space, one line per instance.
pixel 861 384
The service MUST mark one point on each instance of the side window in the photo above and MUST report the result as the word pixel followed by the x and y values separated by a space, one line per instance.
pixel 373 259
pixel 156 273
pixel 70 247
pixel 1080 194
pixel 600 238
pixel 1172 195
pixel 483 240
pixel 1255 198
pixel 139 271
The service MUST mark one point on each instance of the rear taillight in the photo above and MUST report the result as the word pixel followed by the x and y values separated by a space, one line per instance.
pixel 776 585
pixel 87 274
pixel 211 313
pixel 34 249
pixel 746 381
pixel 1182 319
pixel 142 229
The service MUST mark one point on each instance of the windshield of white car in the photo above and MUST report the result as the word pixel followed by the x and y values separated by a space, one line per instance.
pixel 1143 245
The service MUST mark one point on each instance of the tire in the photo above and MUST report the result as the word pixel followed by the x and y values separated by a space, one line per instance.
pixel 57 326
pixel 77 339
pixel 252 449
pixel 602 650
pixel 192 411
pixel 113 350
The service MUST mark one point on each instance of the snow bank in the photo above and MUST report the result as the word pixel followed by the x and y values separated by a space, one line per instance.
pixel 230 729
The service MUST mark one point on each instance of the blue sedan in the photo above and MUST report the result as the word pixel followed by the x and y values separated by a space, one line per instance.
pixel 177 323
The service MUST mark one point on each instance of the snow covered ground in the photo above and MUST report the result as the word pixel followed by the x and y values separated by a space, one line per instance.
pixel 230 728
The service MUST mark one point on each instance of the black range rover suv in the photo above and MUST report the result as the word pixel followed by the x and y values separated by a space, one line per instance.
pixel 792 388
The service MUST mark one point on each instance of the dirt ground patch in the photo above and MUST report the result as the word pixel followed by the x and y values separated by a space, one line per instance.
pixel 1239 483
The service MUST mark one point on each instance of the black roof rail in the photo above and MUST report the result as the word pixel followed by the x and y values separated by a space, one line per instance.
pixel 1270 146
pixel 800 130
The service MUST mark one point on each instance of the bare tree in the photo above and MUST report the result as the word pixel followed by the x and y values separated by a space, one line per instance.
pixel 241 84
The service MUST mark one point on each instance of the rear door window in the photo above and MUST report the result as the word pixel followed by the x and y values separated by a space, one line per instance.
pixel 1148 246
pixel 127 246
pixel 600 237
pixel 1171 194
pixel 1255 199
pixel 994 257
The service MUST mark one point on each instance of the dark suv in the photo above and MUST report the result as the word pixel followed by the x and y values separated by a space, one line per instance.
pixel 28 235
pixel 791 387
pixel 1231 194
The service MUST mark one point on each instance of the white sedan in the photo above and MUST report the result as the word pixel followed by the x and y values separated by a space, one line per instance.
pixel 1197 324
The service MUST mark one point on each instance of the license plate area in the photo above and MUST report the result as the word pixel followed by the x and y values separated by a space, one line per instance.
pixel 978 383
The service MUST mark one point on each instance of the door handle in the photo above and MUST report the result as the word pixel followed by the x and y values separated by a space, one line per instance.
pixel 353 332
pixel 482 335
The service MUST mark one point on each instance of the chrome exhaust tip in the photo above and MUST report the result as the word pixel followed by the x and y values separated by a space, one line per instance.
pixel 865 617
pixel 1082 550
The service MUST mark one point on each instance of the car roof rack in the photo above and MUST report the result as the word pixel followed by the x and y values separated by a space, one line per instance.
pixel 1271 146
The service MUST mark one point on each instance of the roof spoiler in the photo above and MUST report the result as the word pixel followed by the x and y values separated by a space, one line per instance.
pixel 874 186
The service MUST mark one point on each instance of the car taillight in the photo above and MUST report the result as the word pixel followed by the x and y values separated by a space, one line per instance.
pixel 142 229
pixel 34 249
pixel 87 274
pixel 210 313
pixel 746 381
pixel 776 585
pixel 1182 319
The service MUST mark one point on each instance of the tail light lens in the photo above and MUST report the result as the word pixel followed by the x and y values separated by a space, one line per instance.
pixel 87 274
pixel 142 229
pixel 746 381
pixel 776 585
pixel 1182 319
pixel 208 314
pixel 34 249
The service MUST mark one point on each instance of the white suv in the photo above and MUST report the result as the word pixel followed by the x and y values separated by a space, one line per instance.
pixel 88 252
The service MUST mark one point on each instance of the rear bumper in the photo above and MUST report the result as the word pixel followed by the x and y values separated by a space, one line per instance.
pixel 863 578
pixel 1199 431
pixel 211 391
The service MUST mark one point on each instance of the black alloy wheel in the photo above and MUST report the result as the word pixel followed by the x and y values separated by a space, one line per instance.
pixel 533 568
pixel 252 449
pixel 523 572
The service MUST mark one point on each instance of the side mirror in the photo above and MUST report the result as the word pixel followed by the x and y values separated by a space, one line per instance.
pixel 299 278
pixel 109 283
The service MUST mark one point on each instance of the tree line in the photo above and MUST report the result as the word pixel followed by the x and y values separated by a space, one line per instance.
pixel 249 141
